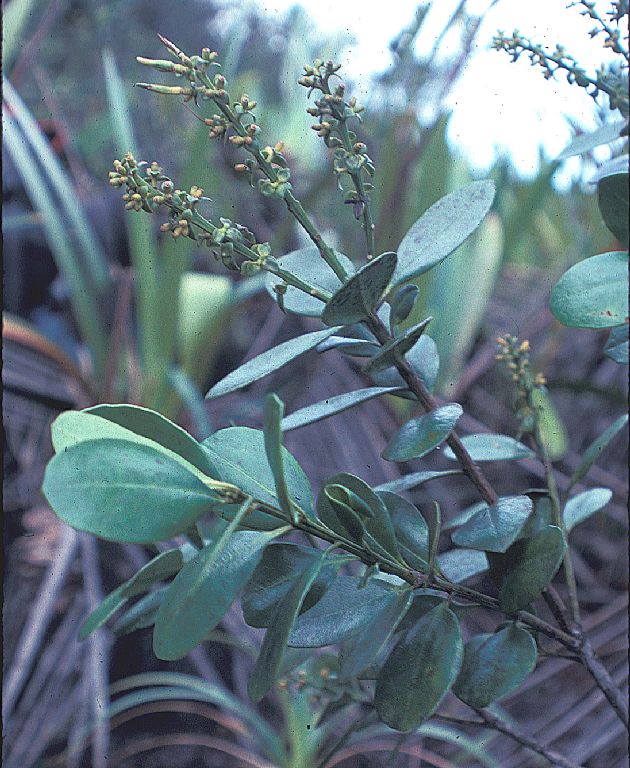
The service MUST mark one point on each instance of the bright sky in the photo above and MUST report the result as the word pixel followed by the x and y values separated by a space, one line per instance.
pixel 497 106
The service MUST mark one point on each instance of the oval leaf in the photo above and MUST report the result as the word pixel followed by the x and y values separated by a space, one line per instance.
pixel 239 456
pixel 203 591
pixel 268 362
pixel 495 665
pixel 612 195
pixel 495 528
pixel 410 529
pixel 529 566
pixel 393 351
pixel 582 506
pixel 357 298
pixel 593 293
pixel 346 607
pixel 269 661
pixel 442 228
pixel 484 447
pixel 420 670
pixel 457 565
pixel 308 265
pixel 155 427
pixel 419 436
pixel 124 491
pixel 362 648
pixel 586 141
pixel 617 345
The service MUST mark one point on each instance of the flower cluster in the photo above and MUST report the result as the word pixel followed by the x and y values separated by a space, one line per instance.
pixel 515 354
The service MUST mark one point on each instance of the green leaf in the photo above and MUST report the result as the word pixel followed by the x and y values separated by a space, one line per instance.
pixel 495 665
pixel 124 491
pixel 204 589
pixel 583 143
pixel 268 362
pixel 484 447
pixel 402 304
pixel 423 358
pixel 424 600
pixel 494 528
pixel 421 435
pixel 551 429
pixel 612 195
pixel 281 564
pixel 362 648
pixel 394 351
pixel 457 565
pixel 410 529
pixel 529 566
pixel 102 613
pixel 592 453
pixel 269 660
pixel 413 480
pixel 274 410
pixel 308 265
pixel 346 607
pixel 155 427
pixel 617 345
pixel 441 229
pixel 140 615
pixel 358 298
pixel 420 670
pixel 349 346
pixel 333 405
pixel 348 506
pixel 239 456
pixel 582 506
pixel 593 293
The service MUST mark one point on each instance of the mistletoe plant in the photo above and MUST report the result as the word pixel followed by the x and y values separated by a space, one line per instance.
pixel 369 580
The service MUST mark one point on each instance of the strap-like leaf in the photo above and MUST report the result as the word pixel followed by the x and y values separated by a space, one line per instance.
pixel 413 480
pixel 485 447
pixel 274 410
pixel 582 506
pixel 592 453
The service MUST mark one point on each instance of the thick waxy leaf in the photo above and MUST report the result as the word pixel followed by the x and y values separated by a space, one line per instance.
pixel 587 141
pixel 592 453
pixel 308 265
pixel 612 195
pixel 269 662
pixel 593 293
pixel 332 406
pixel 348 506
pixel 410 528
pixel 457 565
pixel 361 649
pixel 424 600
pixel 551 429
pixel 102 613
pixel 420 670
pixel 441 229
pixel 238 453
pixel 274 410
pixel 421 435
pixel 393 351
pixel 349 346
pixel 423 357
pixel 268 362
pixel 541 517
pixel 413 480
pixel 529 566
pixel 346 607
pixel 402 303
pixel 495 665
pixel 464 516
pixel 155 427
pixel 582 506
pixel 140 615
pixel 357 298
pixel 124 491
pixel 144 428
pixel 617 345
pixel 495 528
pixel 483 447
pixel 281 565
pixel 205 588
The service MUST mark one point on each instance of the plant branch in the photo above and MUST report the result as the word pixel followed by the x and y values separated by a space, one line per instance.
pixel 555 758
pixel 604 681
